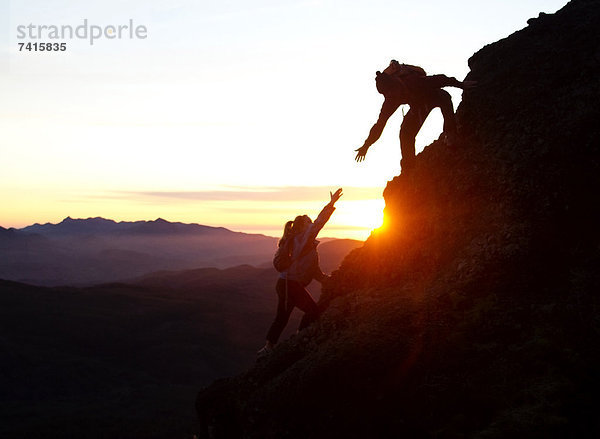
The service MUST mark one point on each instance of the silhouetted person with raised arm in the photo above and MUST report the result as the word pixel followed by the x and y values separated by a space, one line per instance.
pixel 406 84
pixel 300 246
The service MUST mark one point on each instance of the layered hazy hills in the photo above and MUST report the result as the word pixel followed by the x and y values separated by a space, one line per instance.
pixel 123 360
pixel 97 250
pixel 474 313
pixel 126 359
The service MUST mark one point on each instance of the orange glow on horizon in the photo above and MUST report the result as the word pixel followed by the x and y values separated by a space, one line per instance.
pixel 360 215
pixel 356 216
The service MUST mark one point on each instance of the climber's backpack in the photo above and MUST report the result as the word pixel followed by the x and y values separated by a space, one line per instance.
pixel 388 79
pixel 403 70
pixel 283 256
pixel 282 260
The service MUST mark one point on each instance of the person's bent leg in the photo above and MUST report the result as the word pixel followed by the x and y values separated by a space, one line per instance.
pixel 412 123
pixel 284 308
pixel 303 300
pixel 408 132
pixel 444 101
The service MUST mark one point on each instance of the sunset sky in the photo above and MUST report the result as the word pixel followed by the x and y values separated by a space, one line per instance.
pixel 230 113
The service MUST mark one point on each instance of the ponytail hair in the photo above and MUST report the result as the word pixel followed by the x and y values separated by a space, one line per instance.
pixel 288 232
pixel 292 228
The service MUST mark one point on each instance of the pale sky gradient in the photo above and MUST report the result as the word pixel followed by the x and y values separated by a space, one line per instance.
pixel 231 113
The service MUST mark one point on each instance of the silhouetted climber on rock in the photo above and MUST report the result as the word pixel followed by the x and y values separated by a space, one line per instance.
pixel 406 84
pixel 298 261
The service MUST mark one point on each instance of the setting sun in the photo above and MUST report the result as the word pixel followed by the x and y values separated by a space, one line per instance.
pixel 359 217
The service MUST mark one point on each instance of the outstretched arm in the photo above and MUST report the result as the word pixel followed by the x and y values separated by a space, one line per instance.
pixel 315 228
pixel 439 81
pixel 387 109
pixel 325 213
pixel 468 84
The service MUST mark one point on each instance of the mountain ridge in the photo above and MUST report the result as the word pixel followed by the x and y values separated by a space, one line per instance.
pixel 104 225
pixel 473 311
pixel 95 250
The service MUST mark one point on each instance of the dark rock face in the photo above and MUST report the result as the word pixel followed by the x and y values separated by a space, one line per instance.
pixel 474 311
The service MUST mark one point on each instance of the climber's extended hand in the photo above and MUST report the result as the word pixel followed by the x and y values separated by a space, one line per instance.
pixel 335 196
pixel 362 153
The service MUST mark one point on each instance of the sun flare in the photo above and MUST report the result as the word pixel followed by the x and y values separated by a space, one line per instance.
pixel 363 215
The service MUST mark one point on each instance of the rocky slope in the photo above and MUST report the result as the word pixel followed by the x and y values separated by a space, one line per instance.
pixel 474 311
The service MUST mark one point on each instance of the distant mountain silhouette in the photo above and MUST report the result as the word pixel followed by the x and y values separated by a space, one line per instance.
pixel 12 239
pixel 474 312
pixel 101 226
pixel 96 250
pixel 73 227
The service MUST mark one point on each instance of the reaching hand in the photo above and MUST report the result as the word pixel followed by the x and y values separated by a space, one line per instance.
pixel 335 196
pixel 361 154
pixel 469 84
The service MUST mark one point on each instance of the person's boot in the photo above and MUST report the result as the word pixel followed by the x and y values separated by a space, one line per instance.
pixel 264 352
